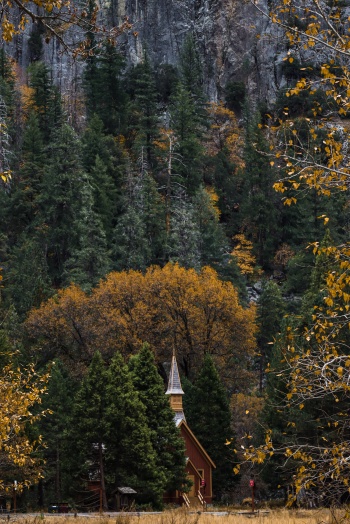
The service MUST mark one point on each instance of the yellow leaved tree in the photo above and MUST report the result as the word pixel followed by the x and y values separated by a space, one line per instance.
pixel 311 153
pixel 169 307
pixel 21 390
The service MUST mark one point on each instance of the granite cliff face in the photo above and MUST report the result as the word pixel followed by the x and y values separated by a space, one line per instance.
pixel 235 42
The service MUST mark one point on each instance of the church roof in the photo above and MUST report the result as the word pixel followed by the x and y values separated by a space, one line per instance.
pixel 179 417
pixel 174 384
pixel 183 424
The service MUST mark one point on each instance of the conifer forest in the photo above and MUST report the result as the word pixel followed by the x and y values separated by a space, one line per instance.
pixel 144 215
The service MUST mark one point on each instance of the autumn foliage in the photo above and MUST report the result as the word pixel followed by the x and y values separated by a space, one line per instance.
pixel 21 390
pixel 168 307
pixel 312 155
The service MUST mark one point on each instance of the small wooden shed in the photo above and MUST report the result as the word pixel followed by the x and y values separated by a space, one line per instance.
pixel 125 498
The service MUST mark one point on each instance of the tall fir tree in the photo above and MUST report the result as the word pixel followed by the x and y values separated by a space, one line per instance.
pixel 144 111
pixel 105 95
pixel 89 259
pixel 208 415
pixel 45 99
pixel 65 200
pixel 212 240
pixel 188 129
pixel 130 457
pixel 10 98
pixel 191 73
pixel 55 429
pixel 90 426
pixel 26 184
pixel 270 312
pixel 28 280
pixel 105 160
pixel 140 229
pixel 258 208
pixel 183 235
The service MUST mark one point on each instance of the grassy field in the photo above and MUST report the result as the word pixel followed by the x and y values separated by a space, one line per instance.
pixel 284 516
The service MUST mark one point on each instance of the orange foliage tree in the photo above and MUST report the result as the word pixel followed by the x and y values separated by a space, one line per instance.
pixel 169 307
pixel 224 133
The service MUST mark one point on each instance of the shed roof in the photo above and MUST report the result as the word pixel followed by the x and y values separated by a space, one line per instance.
pixel 126 491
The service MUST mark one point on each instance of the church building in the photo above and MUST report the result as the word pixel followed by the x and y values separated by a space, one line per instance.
pixel 199 465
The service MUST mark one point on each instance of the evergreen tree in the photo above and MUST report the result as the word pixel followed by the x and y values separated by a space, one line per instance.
pixel 188 129
pixel 28 279
pixel 91 83
pixel 131 248
pixel 9 97
pixel 106 200
pixel 45 99
pixel 55 428
pixel 89 260
pixel 140 229
pixel 105 161
pixel 258 209
pixel 130 457
pixel 90 426
pixel 183 233
pixel 271 309
pixel 35 43
pixel 144 111
pixel 191 72
pixel 165 436
pixel 60 200
pixel 28 282
pixel 105 94
pixel 26 184
pixel 212 241
pixel 208 415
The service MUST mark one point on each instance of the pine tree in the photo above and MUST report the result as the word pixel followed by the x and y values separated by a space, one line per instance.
pixel 130 457
pixel 131 248
pixel 55 428
pixel 105 161
pixel 105 94
pixel 183 241
pixel 187 126
pixel 60 199
pixel 140 229
pixel 26 184
pixel 89 259
pixel 191 72
pixel 144 111
pixel 9 96
pixel 208 415
pixel 258 205
pixel 28 279
pixel 271 309
pixel 45 99
pixel 212 243
pixel 89 426
pixel 165 436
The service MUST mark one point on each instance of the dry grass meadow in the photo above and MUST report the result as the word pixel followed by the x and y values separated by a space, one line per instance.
pixel 283 516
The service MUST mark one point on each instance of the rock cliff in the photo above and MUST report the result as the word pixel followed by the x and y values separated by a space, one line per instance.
pixel 235 42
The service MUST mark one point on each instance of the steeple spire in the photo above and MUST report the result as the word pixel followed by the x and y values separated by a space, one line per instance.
pixel 175 390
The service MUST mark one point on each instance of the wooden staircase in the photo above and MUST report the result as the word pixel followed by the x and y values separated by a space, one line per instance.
pixel 201 500
pixel 186 499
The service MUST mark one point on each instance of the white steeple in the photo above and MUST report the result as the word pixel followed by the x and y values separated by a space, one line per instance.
pixel 175 391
